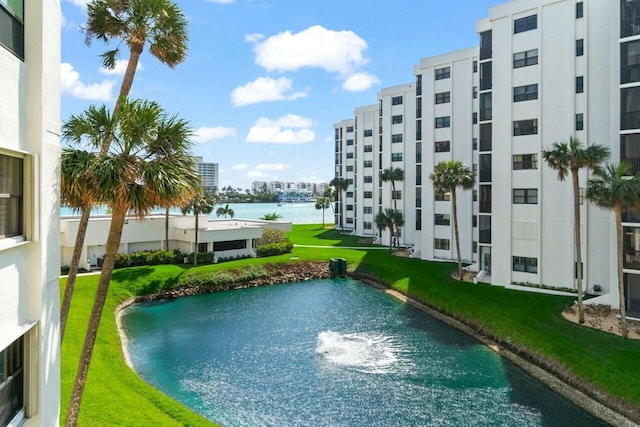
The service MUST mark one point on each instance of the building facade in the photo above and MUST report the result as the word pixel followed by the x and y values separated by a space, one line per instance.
pixel 209 173
pixel 29 211
pixel 544 71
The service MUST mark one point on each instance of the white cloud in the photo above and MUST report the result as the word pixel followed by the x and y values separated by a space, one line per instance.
pixel 71 84
pixel 359 81
pixel 206 134
pixel 335 51
pixel 271 167
pixel 120 68
pixel 240 167
pixel 264 89
pixel 290 129
pixel 255 174
pixel 253 37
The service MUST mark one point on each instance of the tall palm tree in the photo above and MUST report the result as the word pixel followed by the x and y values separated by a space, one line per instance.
pixel 389 218
pixel 323 203
pixel 224 211
pixel 447 177
pixel 136 175
pixel 160 23
pixel 75 193
pixel 340 185
pixel 200 204
pixel 392 175
pixel 613 189
pixel 568 158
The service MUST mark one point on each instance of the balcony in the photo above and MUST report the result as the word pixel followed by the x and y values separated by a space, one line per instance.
pixel 630 73
pixel 630 120
pixel 631 260
pixel 630 27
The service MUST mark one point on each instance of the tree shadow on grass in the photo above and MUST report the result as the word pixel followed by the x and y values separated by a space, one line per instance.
pixel 142 281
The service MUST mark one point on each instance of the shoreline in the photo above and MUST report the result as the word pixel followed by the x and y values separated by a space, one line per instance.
pixel 599 404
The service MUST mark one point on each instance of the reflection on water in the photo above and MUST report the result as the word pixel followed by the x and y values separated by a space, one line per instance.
pixel 330 353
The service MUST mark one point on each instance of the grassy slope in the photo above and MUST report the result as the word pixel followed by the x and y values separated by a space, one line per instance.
pixel 529 319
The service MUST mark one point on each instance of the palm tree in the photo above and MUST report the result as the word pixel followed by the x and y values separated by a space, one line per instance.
pixel 200 204
pixel 160 23
pixel 392 175
pixel 323 203
pixel 389 218
pixel 568 158
pixel 226 210
pixel 136 175
pixel 75 193
pixel 613 189
pixel 271 216
pixel 340 184
pixel 447 177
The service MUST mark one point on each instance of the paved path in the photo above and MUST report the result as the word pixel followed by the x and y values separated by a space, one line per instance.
pixel 340 247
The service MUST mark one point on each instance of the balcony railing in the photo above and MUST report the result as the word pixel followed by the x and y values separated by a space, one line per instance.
pixel 632 260
pixel 630 120
pixel 630 73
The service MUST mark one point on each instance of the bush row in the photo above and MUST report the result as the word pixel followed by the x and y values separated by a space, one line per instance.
pixel 221 279
pixel 271 249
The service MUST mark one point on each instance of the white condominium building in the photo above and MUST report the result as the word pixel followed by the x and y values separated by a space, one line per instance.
pixel 29 212
pixel 544 71
pixel 210 173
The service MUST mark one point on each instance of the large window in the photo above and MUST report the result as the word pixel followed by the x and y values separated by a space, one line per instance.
pixel 397 137
pixel 630 151
pixel 579 84
pixel 485 136
pixel 367 194
pixel 368 164
pixel 580 121
pixel 368 179
pixel 396 119
pixel 396 157
pixel 579 47
pixel 486 50
pixel 11 196
pixel 525 127
pixel 579 10
pixel 525 196
pixel 486 111
pixel 525 24
pixel 525 161
pixel 525 93
pixel 442 219
pixel 630 108
pixel 630 62
pixel 443 146
pixel 443 73
pixel 485 167
pixel 442 196
pixel 442 244
pixel 396 100
pixel 486 75
pixel 524 264
pixel 629 18
pixel 229 245
pixel 443 97
pixel 349 128
pixel 368 132
pixel 524 59
pixel 12 26
pixel 443 122
pixel 368 148
pixel 11 381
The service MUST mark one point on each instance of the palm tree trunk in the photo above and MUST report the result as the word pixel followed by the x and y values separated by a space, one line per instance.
pixel 455 230
pixel 323 217
pixel 166 229
pixel 195 253
pixel 73 269
pixel 113 243
pixel 341 210
pixel 578 240
pixel 390 238
pixel 623 309
pixel 395 208
pixel 127 81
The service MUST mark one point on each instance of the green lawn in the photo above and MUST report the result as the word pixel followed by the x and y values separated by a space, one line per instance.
pixel 116 396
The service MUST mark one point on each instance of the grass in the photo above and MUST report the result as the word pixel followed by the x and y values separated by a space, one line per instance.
pixel 116 396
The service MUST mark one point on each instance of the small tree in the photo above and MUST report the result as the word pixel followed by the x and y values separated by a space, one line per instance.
pixel 447 177
pixel 224 211
pixel 613 189
pixel 392 175
pixel 389 218
pixel 271 216
pixel 200 204
pixel 323 203
pixel 340 185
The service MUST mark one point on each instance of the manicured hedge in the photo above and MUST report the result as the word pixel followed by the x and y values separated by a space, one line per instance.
pixel 272 249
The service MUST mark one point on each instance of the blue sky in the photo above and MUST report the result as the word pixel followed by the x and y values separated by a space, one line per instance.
pixel 265 80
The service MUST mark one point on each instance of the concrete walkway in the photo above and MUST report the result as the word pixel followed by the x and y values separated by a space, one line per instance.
pixel 340 247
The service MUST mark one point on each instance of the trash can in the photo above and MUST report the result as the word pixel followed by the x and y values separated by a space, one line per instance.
pixel 338 267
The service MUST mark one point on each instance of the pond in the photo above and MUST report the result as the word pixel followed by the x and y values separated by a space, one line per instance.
pixel 330 353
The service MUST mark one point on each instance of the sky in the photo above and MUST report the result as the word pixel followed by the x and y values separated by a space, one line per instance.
pixel 265 80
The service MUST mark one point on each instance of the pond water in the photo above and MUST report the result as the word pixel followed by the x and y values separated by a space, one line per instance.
pixel 330 353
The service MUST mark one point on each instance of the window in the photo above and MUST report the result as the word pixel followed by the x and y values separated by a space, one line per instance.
pixel 579 10
pixel 349 155
pixel 629 14
pixel 580 121
pixel 368 179
pixel 368 132
pixel 525 93
pixel 396 195
pixel 475 92
pixel 525 161
pixel 579 84
pixel 12 24
pixel 418 198
pixel 442 219
pixel 443 73
pixel 11 196
pixel 349 220
pixel 368 148
pixel 396 119
pixel 630 108
pixel 418 174
pixel 486 75
pixel 367 210
pixel 443 196
pixel 474 221
pixel 486 111
pixel 474 118
pixel 350 207
pixel 524 59
pixel 349 141
pixel 474 247
pixel 525 127
pixel 475 195
pixel 418 130
pixel 418 152
pixel 367 194
pixel 486 45
pixel 368 225
pixel 443 122
pixel 418 219
pixel 525 24
pixel 368 163
pixel 442 244
pixel 419 85
pixel 350 168
pixel 475 66
pixel 349 194
pixel 485 167
pixel 443 97
pixel 630 62
pixel 229 245
pixel 349 181
pixel 396 157
pixel 12 378
pixel 474 144
pixel 486 136
pixel 442 146
pixel 525 196
pixel 580 47
pixel 349 128
pixel 484 229
pixel 524 264
pixel 396 100
pixel 396 137
pixel 418 108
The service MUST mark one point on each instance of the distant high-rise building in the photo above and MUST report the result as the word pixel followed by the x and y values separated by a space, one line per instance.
pixel 209 173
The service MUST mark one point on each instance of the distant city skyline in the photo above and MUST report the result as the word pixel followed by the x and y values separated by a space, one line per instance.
pixel 264 82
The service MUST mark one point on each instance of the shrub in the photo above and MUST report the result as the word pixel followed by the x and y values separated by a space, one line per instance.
pixel 122 260
pixel 161 257
pixel 271 235
pixel 272 249
pixel 203 258
pixel 140 258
